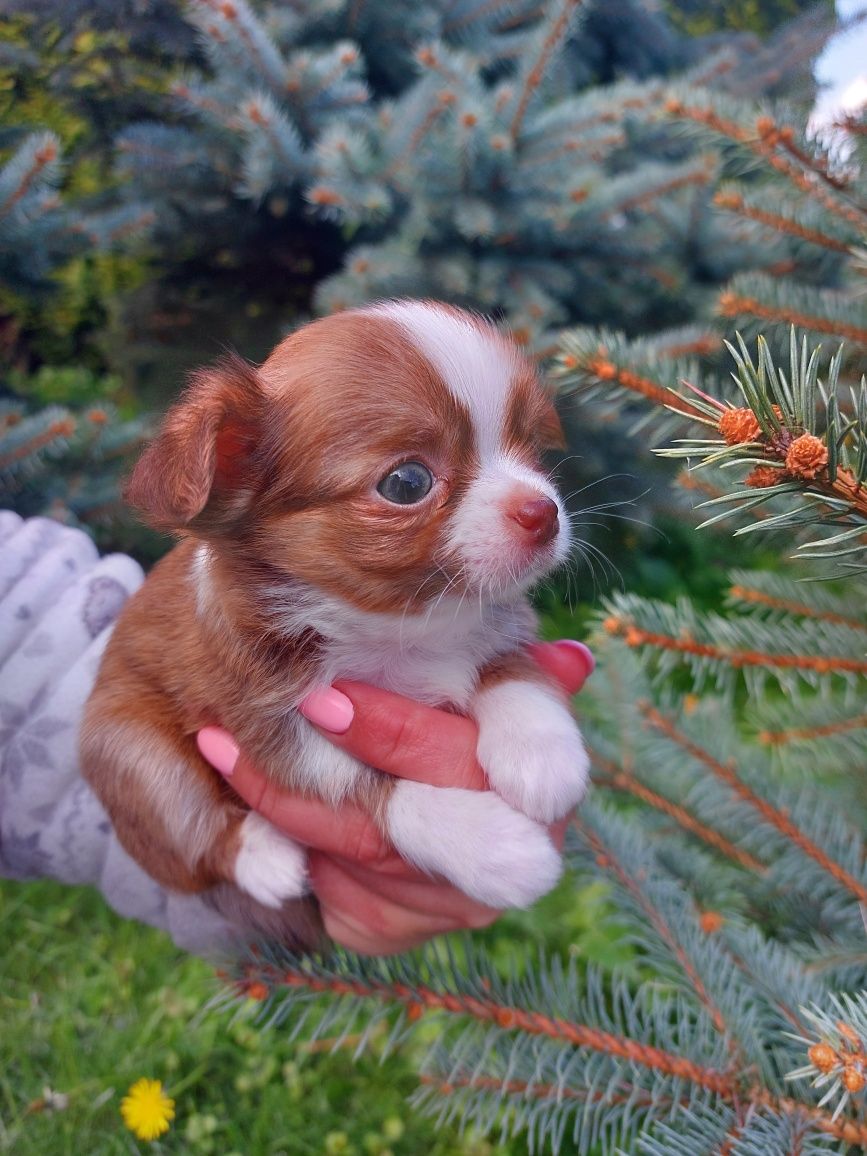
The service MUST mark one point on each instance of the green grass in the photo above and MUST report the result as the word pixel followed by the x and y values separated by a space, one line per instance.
pixel 89 1003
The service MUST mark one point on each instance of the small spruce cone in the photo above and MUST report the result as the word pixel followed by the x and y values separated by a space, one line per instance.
pixel 823 1057
pixel 806 456
pixel 739 425
pixel 763 476
pixel 710 922
pixel 849 1034
pixel 853 1080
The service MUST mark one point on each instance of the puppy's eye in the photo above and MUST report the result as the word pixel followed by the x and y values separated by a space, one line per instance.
pixel 406 484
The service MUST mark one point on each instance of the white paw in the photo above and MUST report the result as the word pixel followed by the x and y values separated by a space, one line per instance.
pixel 474 840
pixel 531 750
pixel 269 866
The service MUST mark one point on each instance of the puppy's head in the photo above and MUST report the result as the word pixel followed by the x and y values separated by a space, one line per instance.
pixel 385 454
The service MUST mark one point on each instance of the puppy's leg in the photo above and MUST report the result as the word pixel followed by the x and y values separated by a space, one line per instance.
pixel 175 816
pixel 529 744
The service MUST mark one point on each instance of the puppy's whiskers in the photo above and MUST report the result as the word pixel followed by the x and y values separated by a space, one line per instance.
pixel 592 555
pixel 411 601
pixel 433 607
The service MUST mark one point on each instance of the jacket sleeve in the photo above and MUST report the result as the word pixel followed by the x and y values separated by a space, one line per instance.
pixel 58 603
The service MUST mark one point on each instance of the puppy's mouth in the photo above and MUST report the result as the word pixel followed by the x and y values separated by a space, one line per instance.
pixel 506 565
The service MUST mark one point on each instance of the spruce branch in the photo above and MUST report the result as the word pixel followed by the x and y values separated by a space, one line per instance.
pixel 605 367
pixel 504 13
pixel 231 28
pixel 554 35
pixel 34 166
pixel 542 1110
pixel 202 98
pixel 614 777
pixel 774 596
pixel 542 1064
pixel 758 297
pixel 23 442
pixel 741 1131
pixel 435 113
pixel 654 183
pixel 279 981
pixel 777 818
pixel 763 208
pixel 689 341
pixel 272 979
pixel 799 441
pixel 774 144
pixel 723 645
pixel 792 734
pixel 651 905
pixel 691 482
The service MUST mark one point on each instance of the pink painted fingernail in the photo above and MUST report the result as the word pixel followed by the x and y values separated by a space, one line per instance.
pixel 219 748
pixel 585 652
pixel 328 709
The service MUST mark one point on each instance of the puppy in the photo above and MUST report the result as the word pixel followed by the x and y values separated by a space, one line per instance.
pixel 369 504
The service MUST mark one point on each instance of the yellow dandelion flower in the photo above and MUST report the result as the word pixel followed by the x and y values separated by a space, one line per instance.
pixel 147 1110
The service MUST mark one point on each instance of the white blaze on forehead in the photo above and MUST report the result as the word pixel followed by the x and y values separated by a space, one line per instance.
pixel 477 366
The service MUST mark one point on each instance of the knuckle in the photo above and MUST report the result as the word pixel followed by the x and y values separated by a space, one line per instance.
pixel 366 846
pixel 399 737
pixel 257 791
pixel 378 923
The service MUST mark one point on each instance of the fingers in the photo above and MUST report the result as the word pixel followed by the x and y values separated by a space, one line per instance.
pixel 410 889
pixel 567 660
pixel 347 831
pixel 375 915
pixel 412 741
pixel 400 736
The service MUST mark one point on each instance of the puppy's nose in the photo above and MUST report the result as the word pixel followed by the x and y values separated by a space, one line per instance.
pixel 539 517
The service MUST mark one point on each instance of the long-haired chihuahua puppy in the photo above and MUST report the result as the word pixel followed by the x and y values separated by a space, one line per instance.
pixel 369 504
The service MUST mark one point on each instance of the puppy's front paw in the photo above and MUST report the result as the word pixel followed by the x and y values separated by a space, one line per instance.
pixel 476 841
pixel 269 866
pixel 530 748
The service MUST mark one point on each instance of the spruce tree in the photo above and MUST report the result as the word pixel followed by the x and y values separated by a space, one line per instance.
pixel 509 157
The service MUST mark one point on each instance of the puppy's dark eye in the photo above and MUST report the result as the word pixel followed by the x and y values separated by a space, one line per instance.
pixel 406 484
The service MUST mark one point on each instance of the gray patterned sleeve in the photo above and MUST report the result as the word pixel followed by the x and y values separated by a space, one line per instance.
pixel 58 603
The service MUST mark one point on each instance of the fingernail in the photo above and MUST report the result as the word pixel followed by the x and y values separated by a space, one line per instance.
pixel 328 709
pixel 585 652
pixel 219 748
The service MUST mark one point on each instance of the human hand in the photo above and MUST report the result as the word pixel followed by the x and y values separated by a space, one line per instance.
pixel 371 900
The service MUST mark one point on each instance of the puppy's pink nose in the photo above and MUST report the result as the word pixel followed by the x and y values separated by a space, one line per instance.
pixel 538 517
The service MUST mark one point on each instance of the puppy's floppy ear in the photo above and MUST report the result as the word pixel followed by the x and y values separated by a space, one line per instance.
pixel 551 430
pixel 200 471
pixel 546 422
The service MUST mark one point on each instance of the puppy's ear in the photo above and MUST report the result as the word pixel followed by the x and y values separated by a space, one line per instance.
pixel 550 429
pixel 200 471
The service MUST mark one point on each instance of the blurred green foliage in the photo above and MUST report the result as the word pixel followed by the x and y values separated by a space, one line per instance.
pixel 64 385
pixel 701 17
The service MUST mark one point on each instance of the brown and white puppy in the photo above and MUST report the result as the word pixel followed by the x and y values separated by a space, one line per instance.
pixel 369 504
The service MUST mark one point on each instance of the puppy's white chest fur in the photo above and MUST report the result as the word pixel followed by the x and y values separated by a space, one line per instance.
pixel 433 657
